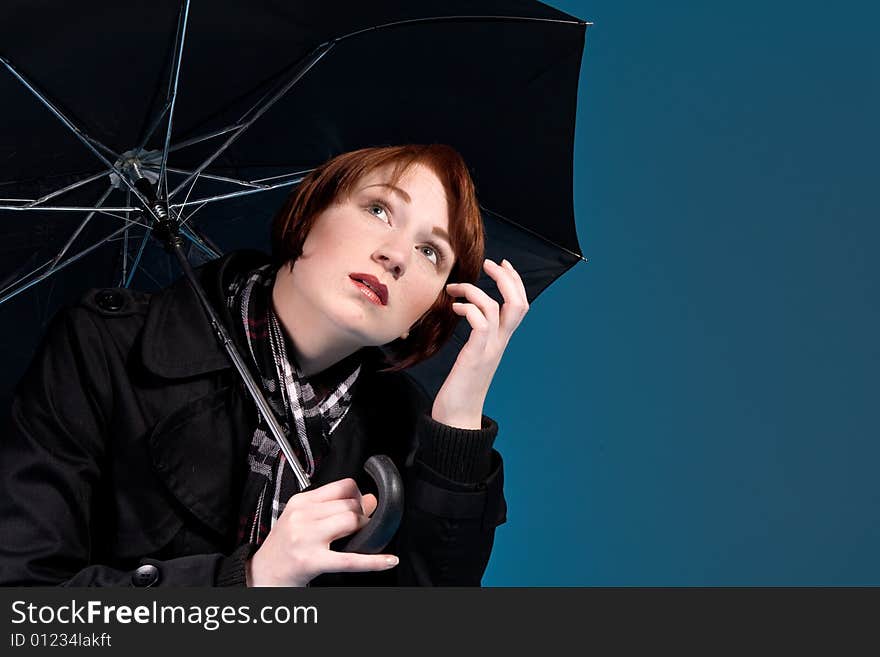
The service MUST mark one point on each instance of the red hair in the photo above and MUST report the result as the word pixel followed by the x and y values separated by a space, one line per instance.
pixel 336 179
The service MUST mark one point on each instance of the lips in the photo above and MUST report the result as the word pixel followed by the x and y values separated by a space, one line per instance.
pixel 372 283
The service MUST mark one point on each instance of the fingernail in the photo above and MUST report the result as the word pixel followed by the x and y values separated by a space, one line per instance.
pixel 392 561
pixel 506 261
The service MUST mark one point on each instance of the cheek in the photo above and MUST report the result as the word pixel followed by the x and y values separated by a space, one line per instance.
pixel 424 297
pixel 321 241
pixel 333 231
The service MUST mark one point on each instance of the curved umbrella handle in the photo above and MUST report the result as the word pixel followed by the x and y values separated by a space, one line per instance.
pixel 385 520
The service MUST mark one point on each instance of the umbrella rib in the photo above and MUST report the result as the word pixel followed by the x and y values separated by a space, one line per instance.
pixel 196 240
pixel 110 212
pixel 70 187
pixel 201 138
pixel 205 239
pixel 90 143
pixel 302 175
pixel 178 57
pixel 146 273
pixel 437 19
pixel 153 127
pixel 307 65
pixel 531 272
pixel 245 192
pixel 222 131
pixel 79 229
pixel 125 241
pixel 210 176
pixel 186 221
pixel 67 208
pixel 191 188
pixel 137 258
pixel 24 277
pixel 94 142
pixel 533 233
pixel 44 275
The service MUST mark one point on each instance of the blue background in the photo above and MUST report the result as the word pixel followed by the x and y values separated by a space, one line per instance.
pixel 698 404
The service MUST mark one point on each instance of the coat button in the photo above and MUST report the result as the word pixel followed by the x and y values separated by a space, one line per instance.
pixel 146 575
pixel 109 300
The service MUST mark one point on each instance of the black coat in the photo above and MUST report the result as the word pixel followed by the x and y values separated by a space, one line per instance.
pixel 126 453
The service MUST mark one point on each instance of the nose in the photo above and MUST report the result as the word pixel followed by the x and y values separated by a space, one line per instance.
pixel 393 255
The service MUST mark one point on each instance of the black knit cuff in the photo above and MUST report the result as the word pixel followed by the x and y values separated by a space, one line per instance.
pixel 232 568
pixel 462 455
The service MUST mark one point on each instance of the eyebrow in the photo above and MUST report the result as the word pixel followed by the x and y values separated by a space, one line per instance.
pixel 442 234
pixel 398 190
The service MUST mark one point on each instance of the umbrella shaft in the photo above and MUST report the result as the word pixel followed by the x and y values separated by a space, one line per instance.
pixel 302 478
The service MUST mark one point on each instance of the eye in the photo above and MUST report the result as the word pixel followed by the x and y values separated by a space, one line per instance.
pixel 379 210
pixel 432 253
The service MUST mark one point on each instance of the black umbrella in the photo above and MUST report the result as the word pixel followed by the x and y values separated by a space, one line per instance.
pixel 256 93
pixel 218 108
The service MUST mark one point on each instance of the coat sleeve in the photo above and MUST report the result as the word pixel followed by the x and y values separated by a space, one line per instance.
pixel 51 456
pixel 454 501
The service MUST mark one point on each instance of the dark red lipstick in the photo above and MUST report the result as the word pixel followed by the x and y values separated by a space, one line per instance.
pixel 372 283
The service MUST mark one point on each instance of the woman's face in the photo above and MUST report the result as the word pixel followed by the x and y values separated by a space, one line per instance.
pixel 375 262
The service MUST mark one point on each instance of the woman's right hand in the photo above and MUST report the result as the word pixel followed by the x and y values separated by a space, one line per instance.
pixel 297 548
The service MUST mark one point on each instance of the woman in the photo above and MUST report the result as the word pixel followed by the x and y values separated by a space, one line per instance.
pixel 135 457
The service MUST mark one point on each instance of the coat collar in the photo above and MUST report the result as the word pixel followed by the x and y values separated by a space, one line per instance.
pixel 178 340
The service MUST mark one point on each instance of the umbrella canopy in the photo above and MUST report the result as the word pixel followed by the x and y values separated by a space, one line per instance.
pixel 228 104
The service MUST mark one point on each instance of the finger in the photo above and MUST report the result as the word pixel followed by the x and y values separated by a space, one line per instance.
pixel 474 316
pixel 522 286
pixel 339 525
pixel 511 285
pixel 352 562
pixel 479 324
pixel 335 490
pixel 513 293
pixel 516 301
pixel 478 297
pixel 369 503
pixel 321 510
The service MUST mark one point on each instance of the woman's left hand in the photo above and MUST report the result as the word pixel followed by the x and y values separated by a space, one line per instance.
pixel 459 403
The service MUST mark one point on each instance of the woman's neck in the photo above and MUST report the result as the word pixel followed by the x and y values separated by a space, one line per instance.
pixel 316 344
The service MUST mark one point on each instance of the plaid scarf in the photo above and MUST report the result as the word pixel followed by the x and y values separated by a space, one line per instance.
pixel 307 410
